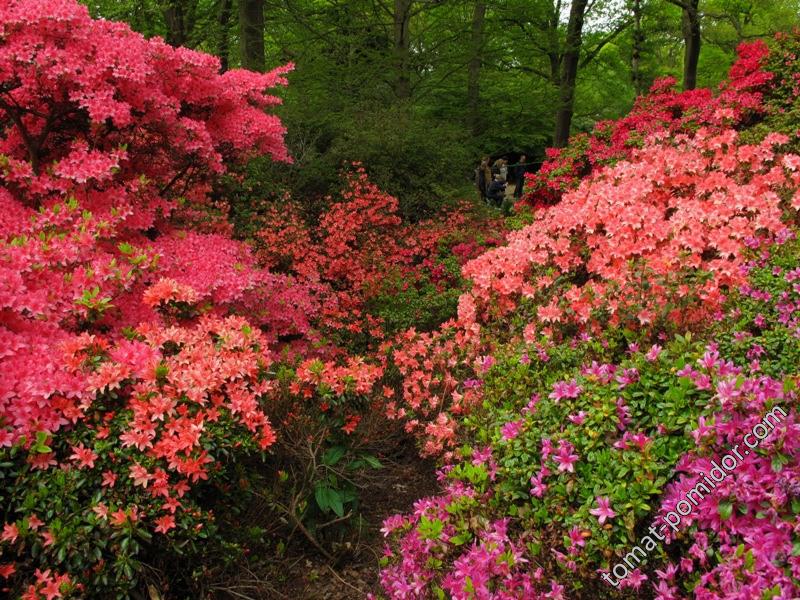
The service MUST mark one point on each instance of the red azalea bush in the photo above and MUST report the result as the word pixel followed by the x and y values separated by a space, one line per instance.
pixel 367 261
pixel 739 102
pixel 130 396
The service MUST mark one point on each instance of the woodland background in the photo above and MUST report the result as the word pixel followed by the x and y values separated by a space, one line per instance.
pixel 418 90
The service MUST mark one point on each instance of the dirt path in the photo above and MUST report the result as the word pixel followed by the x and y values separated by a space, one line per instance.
pixel 303 574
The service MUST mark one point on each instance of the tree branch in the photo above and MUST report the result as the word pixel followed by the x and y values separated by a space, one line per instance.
pixel 590 56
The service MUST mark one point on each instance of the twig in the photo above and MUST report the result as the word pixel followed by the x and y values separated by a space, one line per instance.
pixel 350 585
pixel 337 520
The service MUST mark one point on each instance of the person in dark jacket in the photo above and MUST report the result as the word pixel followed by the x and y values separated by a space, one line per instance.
pixel 497 191
pixel 482 178
pixel 519 176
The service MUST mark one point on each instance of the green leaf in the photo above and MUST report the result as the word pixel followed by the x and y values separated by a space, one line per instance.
pixel 725 510
pixel 329 499
pixel 336 503
pixel 333 455
pixel 372 461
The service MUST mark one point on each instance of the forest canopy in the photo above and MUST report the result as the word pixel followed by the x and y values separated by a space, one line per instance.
pixel 419 90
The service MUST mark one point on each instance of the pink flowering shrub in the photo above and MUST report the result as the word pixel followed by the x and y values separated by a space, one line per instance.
pixel 158 122
pixel 140 346
pixel 575 448
pixel 654 243
pixel 602 358
pixel 579 452
pixel 655 239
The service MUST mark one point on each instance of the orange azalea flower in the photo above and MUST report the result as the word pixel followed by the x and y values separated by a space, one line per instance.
pixel 165 523
pixel 351 422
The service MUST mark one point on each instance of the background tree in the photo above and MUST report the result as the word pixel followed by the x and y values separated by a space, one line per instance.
pixel 251 34
pixel 475 119
pixel 569 72
pixel 690 28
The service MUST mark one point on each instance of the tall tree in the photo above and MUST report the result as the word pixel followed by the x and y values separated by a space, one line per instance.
pixel 569 72
pixel 690 28
pixel 179 20
pixel 402 48
pixel 251 34
pixel 223 30
pixel 637 47
pixel 475 63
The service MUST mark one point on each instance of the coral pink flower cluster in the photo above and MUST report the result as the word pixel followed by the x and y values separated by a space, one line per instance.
pixel 676 209
pixel 657 236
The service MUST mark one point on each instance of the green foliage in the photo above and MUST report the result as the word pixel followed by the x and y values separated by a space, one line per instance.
pixel 421 304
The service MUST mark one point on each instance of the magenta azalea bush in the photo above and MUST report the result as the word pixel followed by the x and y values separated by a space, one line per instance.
pixel 577 451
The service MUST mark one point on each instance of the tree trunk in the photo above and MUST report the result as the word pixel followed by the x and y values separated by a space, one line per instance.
pixel 553 37
pixel 691 36
pixel 569 72
pixel 251 34
pixel 402 48
pixel 475 63
pixel 636 51
pixel 223 38
pixel 175 19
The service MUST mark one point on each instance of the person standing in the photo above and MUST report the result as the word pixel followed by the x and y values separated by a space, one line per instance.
pixel 481 178
pixel 480 182
pixel 500 167
pixel 519 175
pixel 486 167
pixel 496 168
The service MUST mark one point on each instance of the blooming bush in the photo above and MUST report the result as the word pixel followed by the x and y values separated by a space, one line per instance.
pixel 602 358
pixel 162 411
pixel 751 517
pixel 140 343
pixel 102 154
pixel 739 101
pixel 653 243
pixel 657 238
pixel 377 275
pixel 575 451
